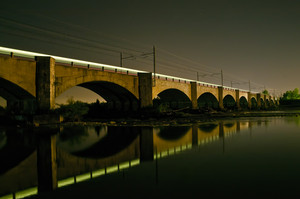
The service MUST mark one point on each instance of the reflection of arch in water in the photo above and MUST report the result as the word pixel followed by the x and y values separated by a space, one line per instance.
pixel 116 140
pixel 244 125
pixel 165 140
pixel 230 127
pixel 16 149
pixel 208 132
pixel 208 128
pixel 78 138
pixel 173 132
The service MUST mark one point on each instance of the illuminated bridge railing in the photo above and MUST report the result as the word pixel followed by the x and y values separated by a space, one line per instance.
pixel 72 62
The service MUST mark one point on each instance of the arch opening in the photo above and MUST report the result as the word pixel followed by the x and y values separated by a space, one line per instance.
pixel 243 103
pixel 108 99
pixel 272 104
pixel 173 99
pixel 115 141
pixel 267 103
pixel 207 101
pixel 253 103
pixel 117 97
pixel 229 102
pixel 15 147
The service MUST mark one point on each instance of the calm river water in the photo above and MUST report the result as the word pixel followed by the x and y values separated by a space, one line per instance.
pixel 245 158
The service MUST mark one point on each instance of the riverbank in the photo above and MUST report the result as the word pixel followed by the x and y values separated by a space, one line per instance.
pixel 172 118
pixel 182 118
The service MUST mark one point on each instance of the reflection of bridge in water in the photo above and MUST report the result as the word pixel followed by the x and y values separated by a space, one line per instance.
pixel 198 135
pixel 146 144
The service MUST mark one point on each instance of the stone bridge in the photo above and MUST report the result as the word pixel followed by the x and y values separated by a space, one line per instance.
pixel 33 81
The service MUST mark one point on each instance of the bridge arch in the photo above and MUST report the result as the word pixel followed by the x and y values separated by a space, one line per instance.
pixel 208 100
pixel 229 102
pixel 83 77
pixel 118 96
pixel 267 103
pixel 19 100
pixel 115 141
pixel 243 102
pixel 174 98
pixel 19 72
pixel 162 85
pixel 229 92
pixel 272 103
pixel 253 103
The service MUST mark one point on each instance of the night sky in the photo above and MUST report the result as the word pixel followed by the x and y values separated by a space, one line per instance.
pixel 255 40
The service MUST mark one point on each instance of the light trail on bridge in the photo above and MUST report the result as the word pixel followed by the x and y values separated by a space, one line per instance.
pixel 32 55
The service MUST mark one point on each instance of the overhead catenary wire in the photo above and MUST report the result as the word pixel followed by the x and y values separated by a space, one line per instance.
pixel 52 33
pixel 165 60
pixel 56 43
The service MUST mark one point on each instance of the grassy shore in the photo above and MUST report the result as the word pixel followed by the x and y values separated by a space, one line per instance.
pixel 182 117
pixel 175 117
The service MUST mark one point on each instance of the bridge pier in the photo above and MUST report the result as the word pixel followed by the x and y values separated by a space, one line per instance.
pixel 258 96
pixel 238 126
pixel 194 135
pixel 45 83
pixel 220 92
pixel 237 99
pixel 265 102
pixel 145 89
pixel 194 95
pixel 221 129
pixel 146 144
pixel 249 101
pixel 46 161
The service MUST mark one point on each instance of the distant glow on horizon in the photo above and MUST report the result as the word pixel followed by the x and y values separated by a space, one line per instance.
pixel 78 94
